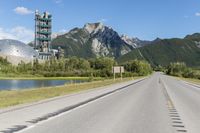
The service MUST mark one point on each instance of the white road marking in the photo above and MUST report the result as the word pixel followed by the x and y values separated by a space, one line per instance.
pixel 64 113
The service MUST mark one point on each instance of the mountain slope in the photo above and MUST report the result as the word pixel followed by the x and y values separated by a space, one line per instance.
pixel 93 40
pixel 75 43
pixel 97 40
pixel 163 52
pixel 134 42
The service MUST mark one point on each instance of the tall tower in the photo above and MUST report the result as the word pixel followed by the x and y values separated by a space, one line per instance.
pixel 43 34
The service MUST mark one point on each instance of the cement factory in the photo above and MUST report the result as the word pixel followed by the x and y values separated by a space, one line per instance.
pixel 43 35
pixel 16 51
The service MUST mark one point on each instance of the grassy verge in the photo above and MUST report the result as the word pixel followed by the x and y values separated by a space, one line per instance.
pixel 195 81
pixel 39 77
pixel 16 75
pixel 49 78
pixel 16 97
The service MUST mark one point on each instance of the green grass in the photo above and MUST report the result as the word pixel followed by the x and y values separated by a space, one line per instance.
pixel 16 75
pixel 49 78
pixel 16 97
pixel 195 81
pixel 39 77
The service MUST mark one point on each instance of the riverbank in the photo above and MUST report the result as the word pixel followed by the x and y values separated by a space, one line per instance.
pixel 16 97
pixel 11 76
pixel 46 78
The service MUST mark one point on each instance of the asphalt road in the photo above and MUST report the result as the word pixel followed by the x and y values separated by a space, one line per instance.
pixel 159 104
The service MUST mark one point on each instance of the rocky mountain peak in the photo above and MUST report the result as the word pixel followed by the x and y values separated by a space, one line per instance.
pixel 96 39
pixel 130 41
pixel 93 28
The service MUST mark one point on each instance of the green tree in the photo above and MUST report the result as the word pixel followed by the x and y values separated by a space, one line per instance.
pixel 177 69
pixel 138 67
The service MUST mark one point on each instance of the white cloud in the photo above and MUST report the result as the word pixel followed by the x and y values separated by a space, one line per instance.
pixel 62 31
pixel 6 35
pixel 103 20
pixel 22 10
pixel 58 1
pixel 18 33
pixel 197 14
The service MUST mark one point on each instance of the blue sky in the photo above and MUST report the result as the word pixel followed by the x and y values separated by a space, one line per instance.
pixel 145 19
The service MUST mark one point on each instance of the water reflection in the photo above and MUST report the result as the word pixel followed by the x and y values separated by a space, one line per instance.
pixel 26 84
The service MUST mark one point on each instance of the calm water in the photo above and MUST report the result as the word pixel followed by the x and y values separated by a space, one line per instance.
pixel 27 84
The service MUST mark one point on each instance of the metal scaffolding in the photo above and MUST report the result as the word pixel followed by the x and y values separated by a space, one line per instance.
pixel 43 27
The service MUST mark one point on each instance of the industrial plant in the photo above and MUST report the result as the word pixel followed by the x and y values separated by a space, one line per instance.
pixel 16 51
pixel 43 35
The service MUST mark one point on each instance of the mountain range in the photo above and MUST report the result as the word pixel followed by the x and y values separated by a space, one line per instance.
pixel 164 51
pixel 98 40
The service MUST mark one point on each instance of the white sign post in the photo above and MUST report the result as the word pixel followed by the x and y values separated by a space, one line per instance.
pixel 117 69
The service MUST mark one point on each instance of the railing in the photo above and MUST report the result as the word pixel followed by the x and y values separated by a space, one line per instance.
pixel 44 32
pixel 44 39
pixel 45 19
pixel 44 26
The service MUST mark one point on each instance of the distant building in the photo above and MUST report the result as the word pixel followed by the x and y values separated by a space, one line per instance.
pixel 16 51
pixel 43 31
pixel 60 53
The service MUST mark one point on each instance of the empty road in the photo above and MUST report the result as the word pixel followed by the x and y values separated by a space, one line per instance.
pixel 158 104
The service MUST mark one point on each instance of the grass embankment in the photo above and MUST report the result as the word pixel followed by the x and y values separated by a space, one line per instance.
pixel 195 81
pixel 48 78
pixel 11 76
pixel 18 75
pixel 16 97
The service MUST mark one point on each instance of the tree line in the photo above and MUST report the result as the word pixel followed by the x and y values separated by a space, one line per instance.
pixel 180 69
pixel 74 66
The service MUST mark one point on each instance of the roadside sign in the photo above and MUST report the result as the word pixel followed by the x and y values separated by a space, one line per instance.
pixel 117 69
